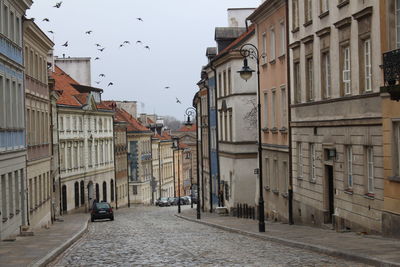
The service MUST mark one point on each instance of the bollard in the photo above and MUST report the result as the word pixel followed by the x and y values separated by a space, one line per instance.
pixel 237 210
pixel 240 210
pixel 247 211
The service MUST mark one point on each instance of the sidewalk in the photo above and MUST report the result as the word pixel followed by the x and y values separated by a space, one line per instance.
pixel 374 250
pixel 45 245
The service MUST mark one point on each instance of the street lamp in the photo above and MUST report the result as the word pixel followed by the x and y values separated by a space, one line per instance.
pixel 190 112
pixel 175 145
pixel 251 51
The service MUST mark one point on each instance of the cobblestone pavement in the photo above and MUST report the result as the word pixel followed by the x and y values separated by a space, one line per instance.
pixel 153 236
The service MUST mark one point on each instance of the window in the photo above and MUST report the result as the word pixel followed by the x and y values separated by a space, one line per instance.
pixel 367 65
pixel 225 85
pixel 225 126
pixel 346 70
pixel 230 125
pixel 295 14
pixel 396 150
pixel 5 20
pixel 275 185
pixel 264 47
pixel 273 111
pixel 283 38
pixel 267 174
pixel 310 79
pixel 296 81
pixel 229 81
pixel 349 166
pixel 272 44
pixel 285 173
pixel 308 11
pixel 312 163
pixel 283 107
pixel 12 26
pixel 370 169
pixel 299 160
pixel 265 114
pixel 324 4
pixel 76 191
pixel 398 23
pixel 326 74
pixel 219 85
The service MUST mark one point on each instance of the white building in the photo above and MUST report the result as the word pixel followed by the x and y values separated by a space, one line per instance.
pixel 12 119
pixel 85 144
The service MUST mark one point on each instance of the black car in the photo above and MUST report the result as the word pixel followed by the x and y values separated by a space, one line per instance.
pixel 102 210
pixel 172 201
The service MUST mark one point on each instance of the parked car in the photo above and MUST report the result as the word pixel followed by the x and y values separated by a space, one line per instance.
pixel 164 202
pixel 101 210
pixel 186 200
pixel 176 200
pixel 172 201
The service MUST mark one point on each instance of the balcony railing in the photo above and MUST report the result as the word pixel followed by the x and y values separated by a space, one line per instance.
pixel 391 74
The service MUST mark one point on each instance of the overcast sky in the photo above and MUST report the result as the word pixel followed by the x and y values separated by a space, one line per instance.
pixel 177 32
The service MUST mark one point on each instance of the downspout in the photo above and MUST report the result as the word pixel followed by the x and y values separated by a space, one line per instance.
pixel 127 166
pixel 209 146
pixel 115 169
pixel 289 110
pixel 217 136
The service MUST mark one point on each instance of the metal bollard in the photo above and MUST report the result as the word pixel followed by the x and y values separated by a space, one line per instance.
pixel 237 210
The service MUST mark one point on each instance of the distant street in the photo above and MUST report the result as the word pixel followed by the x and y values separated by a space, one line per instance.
pixel 152 236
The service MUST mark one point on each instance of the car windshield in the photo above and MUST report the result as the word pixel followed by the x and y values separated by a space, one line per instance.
pixel 102 206
pixel 164 199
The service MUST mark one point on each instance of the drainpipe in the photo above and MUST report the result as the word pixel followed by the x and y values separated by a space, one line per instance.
pixel 288 91
pixel 209 146
pixel 217 136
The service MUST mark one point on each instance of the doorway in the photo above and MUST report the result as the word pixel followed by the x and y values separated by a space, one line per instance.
pixel 330 193
pixel 90 194
pixel 64 198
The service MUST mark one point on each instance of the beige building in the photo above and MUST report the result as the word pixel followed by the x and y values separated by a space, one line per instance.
pixel 336 122
pixel 86 146
pixel 37 103
pixel 390 42
pixel 12 119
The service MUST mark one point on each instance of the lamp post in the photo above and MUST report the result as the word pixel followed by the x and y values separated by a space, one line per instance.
pixel 190 112
pixel 175 145
pixel 251 51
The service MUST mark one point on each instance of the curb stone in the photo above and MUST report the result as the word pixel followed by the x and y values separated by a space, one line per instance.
pixel 316 248
pixel 52 255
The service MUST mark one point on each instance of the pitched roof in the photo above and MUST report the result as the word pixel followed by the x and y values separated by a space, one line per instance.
pixel 250 31
pixel 185 128
pixel 133 124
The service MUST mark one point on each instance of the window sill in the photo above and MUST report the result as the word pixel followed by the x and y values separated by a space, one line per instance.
pixel 284 195
pixel 276 192
pixel 274 130
pixel 265 130
pixel 370 196
pixel 266 188
pixel 282 57
pixel 344 3
pixel 300 178
pixel 348 191
pixel 295 29
pixel 308 23
pixel 324 14
pixel 313 181
pixel 395 179
pixel 272 62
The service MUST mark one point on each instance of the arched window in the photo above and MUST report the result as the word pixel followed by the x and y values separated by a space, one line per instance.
pixel 76 194
pixel 112 190
pixel 97 193
pixel 82 192
pixel 105 191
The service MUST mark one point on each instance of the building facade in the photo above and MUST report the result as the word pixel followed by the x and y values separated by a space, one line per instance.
pixel 12 119
pixel 336 113
pixel 86 146
pixel 38 131
pixel 270 22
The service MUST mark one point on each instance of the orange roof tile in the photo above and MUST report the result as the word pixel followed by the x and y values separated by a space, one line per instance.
pixel 133 124
pixel 63 84
pixel 185 128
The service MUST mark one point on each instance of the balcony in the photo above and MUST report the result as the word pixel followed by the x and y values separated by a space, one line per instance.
pixel 391 74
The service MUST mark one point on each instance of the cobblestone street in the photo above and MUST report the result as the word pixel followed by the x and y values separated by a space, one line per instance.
pixel 152 236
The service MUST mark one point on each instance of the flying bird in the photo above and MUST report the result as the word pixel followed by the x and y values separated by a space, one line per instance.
pixel 97 58
pixel 102 75
pixel 127 42
pixel 58 5
pixel 109 84
pixel 147 47
pixel 97 82
pixel 139 19
pixel 166 87
pixel 98 45
pixel 88 32
pixel 50 32
pixel 139 42
pixel 121 45
pixel 66 44
pixel 101 49
pixel 178 101
pixel 46 19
